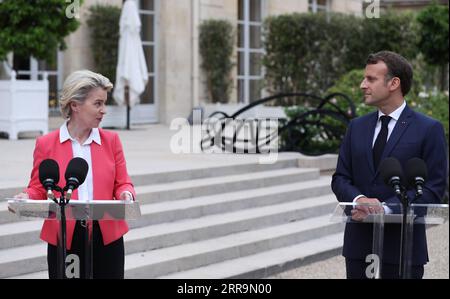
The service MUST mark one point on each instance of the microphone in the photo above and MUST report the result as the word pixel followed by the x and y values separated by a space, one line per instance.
pixel 392 174
pixel 75 175
pixel 49 176
pixel 416 174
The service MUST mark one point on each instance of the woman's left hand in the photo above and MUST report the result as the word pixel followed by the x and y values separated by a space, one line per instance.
pixel 126 195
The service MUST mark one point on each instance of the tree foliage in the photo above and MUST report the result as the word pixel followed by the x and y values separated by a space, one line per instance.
pixel 433 39
pixel 433 34
pixel 34 28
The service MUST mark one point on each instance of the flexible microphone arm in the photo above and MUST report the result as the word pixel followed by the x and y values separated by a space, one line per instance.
pixel 416 174
pixel 394 182
pixel 419 184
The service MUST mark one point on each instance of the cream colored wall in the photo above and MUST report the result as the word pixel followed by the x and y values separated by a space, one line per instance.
pixel 347 6
pixel 218 9
pixel 174 61
pixel 276 7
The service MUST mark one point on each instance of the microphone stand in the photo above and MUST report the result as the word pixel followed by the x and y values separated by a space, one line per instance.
pixel 62 206
pixel 404 238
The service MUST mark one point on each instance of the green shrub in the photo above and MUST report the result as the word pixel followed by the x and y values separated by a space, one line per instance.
pixel 349 84
pixel 434 104
pixel 103 23
pixel 309 52
pixel 216 43
pixel 312 132
pixel 304 51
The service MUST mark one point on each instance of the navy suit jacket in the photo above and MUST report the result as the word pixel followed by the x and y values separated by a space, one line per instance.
pixel 414 135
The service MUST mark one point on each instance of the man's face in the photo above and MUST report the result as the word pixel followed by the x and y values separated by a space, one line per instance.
pixel 374 86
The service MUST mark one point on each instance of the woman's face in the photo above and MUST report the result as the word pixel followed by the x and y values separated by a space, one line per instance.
pixel 90 113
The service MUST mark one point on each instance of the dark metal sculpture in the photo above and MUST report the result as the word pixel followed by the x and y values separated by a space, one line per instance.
pixel 316 129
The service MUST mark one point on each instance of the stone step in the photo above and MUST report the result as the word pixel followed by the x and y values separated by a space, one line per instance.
pixel 160 262
pixel 35 275
pixel 22 260
pixel 192 173
pixel 254 266
pixel 18 234
pixel 213 226
pixel 210 186
pixel 201 187
pixel 228 202
pixel 266 263
pixel 27 232
pixel 191 230
pixel 209 172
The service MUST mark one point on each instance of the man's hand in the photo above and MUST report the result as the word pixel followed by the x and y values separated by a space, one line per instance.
pixel 358 215
pixel 372 205
pixel 362 211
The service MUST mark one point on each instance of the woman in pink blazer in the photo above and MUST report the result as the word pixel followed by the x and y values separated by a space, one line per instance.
pixel 83 105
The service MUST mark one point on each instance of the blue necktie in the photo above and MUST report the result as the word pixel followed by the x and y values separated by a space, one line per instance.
pixel 378 147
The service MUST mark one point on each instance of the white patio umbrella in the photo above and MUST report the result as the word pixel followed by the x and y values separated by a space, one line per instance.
pixel 131 72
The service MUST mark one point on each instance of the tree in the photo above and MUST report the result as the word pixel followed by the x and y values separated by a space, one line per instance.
pixel 35 28
pixel 433 38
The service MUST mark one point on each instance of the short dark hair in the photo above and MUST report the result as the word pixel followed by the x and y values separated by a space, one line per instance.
pixel 397 66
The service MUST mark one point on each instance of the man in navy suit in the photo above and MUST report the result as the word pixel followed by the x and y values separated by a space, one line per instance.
pixel 393 131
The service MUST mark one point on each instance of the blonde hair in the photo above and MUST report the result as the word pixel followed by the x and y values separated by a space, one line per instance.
pixel 78 85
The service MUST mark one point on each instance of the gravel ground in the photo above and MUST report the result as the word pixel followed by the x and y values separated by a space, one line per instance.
pixel 437 268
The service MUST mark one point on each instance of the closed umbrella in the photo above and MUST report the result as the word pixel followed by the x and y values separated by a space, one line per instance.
pixel 131 72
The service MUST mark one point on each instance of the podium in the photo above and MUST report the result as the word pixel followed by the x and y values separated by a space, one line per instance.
pixel 417 215
pixel 84 211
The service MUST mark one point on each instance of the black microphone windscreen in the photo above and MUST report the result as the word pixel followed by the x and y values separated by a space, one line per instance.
pixel 77 168
pixel 49 169
pixel 415 167
pixel 390 167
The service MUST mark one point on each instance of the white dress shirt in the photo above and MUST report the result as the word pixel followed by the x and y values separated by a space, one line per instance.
pixel 85 190
pixel 395 115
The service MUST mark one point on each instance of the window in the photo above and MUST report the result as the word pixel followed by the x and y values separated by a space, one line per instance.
pixel 319 5
pixel 147 13
pixel 250 50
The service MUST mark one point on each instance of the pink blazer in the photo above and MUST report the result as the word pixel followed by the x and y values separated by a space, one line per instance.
pixel 110 179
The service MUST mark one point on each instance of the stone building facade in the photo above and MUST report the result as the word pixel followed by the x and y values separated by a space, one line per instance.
pixel 170 38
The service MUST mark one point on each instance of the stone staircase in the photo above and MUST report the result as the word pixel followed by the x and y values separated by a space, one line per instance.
pixel 236 221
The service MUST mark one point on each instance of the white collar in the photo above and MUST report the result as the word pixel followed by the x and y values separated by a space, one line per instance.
pixel 64 135
pixel 396 113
